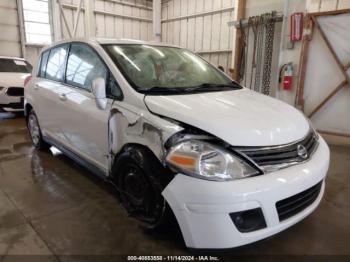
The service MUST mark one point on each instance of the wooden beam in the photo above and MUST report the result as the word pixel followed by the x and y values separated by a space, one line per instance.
pixel 325 100
pixel 333 133
pixel 76 20
pixel 240 15
pixel 304 55
pixel 64 18
pixel 346 67
pixel 335 12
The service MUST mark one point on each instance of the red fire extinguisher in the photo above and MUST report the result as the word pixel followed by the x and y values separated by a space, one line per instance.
pixel 286 76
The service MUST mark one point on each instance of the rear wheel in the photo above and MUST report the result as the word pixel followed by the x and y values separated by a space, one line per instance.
pixel 137 174
pixel 35 132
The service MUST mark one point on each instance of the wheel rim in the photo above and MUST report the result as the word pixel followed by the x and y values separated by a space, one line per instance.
pixel 34 129
pixel 133 186
pixel 139 197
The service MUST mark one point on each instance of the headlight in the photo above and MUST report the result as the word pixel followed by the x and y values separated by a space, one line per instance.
pixel 206 161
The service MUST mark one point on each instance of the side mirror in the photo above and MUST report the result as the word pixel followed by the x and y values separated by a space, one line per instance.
pixel 99 91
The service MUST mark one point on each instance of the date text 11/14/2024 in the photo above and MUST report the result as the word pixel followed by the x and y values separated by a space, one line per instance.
pixel 173 258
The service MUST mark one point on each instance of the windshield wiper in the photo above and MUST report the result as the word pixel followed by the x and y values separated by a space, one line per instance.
pixel 211 87
pixel 181 90
pixel 161 90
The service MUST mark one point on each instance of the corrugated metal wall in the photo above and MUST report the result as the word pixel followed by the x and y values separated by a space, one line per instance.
pixel 10 40
pixel 201 26
pixel 114 18
pixel 32 53
pixel 257 7
pixel 327 5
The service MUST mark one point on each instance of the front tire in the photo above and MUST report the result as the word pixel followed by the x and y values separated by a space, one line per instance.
pixel 139 177
pixel 35 132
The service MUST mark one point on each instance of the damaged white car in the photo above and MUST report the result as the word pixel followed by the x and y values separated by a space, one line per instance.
pixel 177 136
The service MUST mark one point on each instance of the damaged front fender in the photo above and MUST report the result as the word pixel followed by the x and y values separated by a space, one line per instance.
pixel 144 128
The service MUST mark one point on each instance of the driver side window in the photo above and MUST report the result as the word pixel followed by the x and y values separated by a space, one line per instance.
pixel 84 66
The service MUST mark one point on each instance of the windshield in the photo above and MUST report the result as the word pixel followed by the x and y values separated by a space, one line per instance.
pixel 152 69
pixel 14 66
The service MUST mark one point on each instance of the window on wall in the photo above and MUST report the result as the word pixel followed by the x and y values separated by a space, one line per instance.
pixel 36 21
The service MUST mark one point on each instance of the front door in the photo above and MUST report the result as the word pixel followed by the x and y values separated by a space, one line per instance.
pixel 85 126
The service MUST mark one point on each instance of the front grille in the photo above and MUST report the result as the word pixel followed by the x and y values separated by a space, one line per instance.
pixel 283 155
pixel 15 91
pixel 291 206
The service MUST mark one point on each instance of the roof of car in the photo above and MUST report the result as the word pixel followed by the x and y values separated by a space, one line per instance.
pixel 11 57
pixel 109 41
pixel 128 41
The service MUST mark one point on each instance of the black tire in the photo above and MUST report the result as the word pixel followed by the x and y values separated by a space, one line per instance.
pixel 140 179
pixel 35 132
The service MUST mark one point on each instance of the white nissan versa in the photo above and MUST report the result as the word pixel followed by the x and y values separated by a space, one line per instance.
pixel 176 136
pixel 14 72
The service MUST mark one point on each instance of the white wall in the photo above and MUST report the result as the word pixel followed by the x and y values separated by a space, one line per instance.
pixel 326 5
pixel 257 7
pixel 290 55
pixel 10 40
pixel 201 26
pixel 113 19
pixel 323 75
pixel 293 55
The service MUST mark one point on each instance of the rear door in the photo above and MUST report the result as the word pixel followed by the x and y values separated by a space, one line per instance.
pixel 48 91
pixel 85 126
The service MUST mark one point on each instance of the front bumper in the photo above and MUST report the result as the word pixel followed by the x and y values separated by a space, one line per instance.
pixel 202 207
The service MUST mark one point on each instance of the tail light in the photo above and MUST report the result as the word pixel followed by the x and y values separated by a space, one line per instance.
pixel 27 79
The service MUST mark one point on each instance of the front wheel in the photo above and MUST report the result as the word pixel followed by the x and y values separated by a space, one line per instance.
pixel 138 175
pixel 35 131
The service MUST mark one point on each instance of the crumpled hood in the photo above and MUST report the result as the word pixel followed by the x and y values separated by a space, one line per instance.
pixel 240 117
pixel 13 79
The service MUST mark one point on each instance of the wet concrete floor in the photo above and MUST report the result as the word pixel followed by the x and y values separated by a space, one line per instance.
pixel 51 206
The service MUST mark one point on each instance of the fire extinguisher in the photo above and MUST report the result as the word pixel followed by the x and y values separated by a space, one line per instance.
pixel 286 76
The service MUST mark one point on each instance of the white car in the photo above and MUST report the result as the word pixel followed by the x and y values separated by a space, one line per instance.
pixel 176 135
pixel 13 74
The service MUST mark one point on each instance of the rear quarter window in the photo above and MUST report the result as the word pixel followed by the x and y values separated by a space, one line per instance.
pixel 43 63
pixel 56 63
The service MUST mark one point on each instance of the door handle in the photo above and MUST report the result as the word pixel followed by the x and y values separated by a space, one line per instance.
pixel 63 97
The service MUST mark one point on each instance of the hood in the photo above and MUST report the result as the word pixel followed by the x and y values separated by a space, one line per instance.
pixel 12 79
pixel 240 117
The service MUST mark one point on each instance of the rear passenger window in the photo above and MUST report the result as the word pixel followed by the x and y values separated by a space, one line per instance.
pixel 56 63
pixel 83 66
pixel 43 63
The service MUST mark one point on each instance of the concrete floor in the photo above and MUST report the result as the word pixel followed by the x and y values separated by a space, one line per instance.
pixel 49 205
